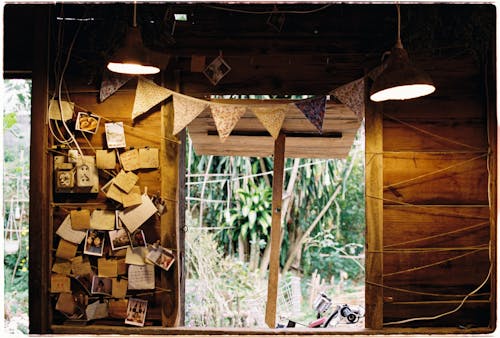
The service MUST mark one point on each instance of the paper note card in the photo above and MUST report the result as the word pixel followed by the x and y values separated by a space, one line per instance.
pixel 102 219
pixel 66 232
pixel 115 135
pixel 80 266
pixel 105 159
pixel 121 266
pixel 55 111
pixel 130 160
pixel 66 250
pixel 118 308
pixel 66 304
pixel 97 310
pixel 141 277
pixel 133 198
pixel 114 193
pixel 60 283
pixel 134 217
pixel 148 158
pixel 136 256
pixel 107 267
pixel 80 219
pixel 62 267
pixel 120 287
pixel 125 180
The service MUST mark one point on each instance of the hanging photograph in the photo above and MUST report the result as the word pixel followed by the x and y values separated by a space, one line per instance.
pixel 216 70
pixel 137 239
pixel 161 257
pixel 136 312
pixel 87 122
pixel 94 242
pixel 102 285
pixel 119 239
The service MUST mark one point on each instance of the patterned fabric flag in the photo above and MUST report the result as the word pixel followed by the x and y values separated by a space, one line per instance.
pixel 226 116
pixel 314 109
pixel 352 95
pixel 147 95
pixel 271 118
pixel 111 82
pixel 186 109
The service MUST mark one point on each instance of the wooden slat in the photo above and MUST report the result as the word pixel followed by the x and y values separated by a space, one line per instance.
pixel 275 241
pixel 40 183
pixel 374 216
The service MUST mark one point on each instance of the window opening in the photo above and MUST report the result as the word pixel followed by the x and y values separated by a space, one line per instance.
pixel 228 217
pixel 16 162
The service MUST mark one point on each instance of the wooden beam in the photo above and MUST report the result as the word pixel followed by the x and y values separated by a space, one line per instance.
pixel 40 182
pixel 274 263
pixel 374 216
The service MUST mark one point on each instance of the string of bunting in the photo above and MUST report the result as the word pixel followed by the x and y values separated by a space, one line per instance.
pixel 226 116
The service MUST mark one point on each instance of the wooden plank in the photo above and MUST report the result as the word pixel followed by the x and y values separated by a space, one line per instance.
pixel 374 216
pixel 40 182
pixel 274 261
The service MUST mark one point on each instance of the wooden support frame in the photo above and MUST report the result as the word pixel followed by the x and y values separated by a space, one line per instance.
pixel 274 267
pixel 374 215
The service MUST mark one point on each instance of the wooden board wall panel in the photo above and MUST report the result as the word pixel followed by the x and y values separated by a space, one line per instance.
pixel 471 315
pixel 465 182
pixel 418 135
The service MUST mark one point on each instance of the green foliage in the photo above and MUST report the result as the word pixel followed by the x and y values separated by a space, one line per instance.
pixel 9 120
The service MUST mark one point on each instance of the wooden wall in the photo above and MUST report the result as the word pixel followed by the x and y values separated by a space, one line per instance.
pixel 438 223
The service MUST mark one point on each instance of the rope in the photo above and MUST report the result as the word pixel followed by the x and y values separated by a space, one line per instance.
pixel 420 292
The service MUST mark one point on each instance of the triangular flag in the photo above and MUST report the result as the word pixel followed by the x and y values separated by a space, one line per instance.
pixel 314 109
pixel 226 116
pixel 110 83
pixel 352 95
pixel 185 110
pixel 271 118
pixel 147 95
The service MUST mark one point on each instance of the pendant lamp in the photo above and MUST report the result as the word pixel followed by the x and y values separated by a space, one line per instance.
pixel 400 80
pixel 133 57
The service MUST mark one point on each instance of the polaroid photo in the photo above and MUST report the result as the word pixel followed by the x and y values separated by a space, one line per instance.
pixel 136 312
pixel 94 242
pixel 161 257
pixel 119 239
pixel 216 70
pixel 137 239
pixel 115 135
pixel 102 286
pixel 87 122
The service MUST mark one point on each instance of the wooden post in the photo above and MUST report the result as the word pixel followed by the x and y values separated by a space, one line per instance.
pixel 274 262
pixel 374 295
pixel 40 181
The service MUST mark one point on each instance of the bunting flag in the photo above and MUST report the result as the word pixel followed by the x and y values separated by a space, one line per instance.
pixel 186 109
pixel 353 96
pixel 226 116
pixel 314 109
pixel 110 83
pixel 147 95
pixel 271 118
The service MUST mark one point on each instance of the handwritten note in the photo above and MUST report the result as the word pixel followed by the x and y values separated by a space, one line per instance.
pixel 115 135
pixel 66 232
pixel 141 277
pixel 121 266
pixel 112 192
pixel 66 303
pixel 60 283
pixel 105 159
pixel 66 250
pixel 125 180
pixel 68 109
pixel 134 217
pixel 80 219
pixel 148 158
pixel 118 308
pixel 130 160
pixel 102 220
